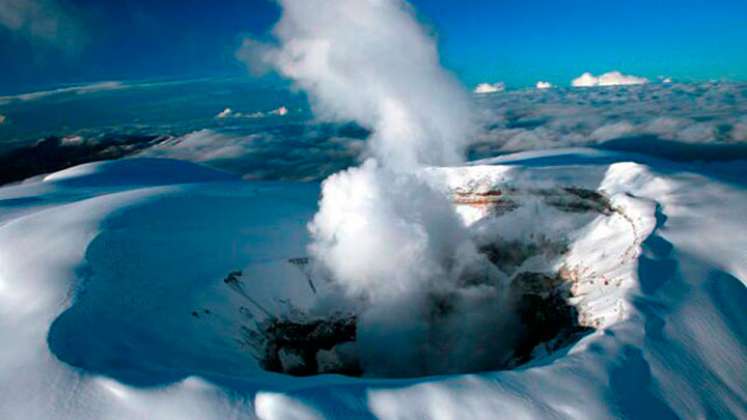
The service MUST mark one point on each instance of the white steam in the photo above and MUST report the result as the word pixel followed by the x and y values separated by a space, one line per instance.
pixel 369 61
pixel 396 244
pixel 385 235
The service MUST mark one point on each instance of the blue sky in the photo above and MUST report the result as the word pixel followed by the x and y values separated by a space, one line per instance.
pixel 50 42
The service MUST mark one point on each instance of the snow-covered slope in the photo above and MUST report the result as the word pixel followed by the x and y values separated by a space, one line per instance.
pixel 113 302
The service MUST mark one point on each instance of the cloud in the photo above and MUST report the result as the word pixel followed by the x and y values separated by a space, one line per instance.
pixel 613 78
pixel 42 21
pixel 229 113
pixel 72 90
pixel 543 85
pixel 2 119
pixel 485 88
pixel 279 154
pixel 202 146
pixel 224 114
pixel 281 111
pixel 611 131
pixel 739 130
pixel 702 114
pixel 305 149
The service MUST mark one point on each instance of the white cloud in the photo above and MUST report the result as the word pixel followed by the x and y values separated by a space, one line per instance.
pixel 543 85
pixel 277 112
pixel 281 111
pixel 201 146
pixel 46 21
pixel 2 119
pixel 585 80
pixel 229 113
pixel 72 90
pixel 224 114
pixel 485 88
pixel 264 155
pixel 613 78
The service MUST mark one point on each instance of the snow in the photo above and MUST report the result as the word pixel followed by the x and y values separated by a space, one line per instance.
pixel 104 266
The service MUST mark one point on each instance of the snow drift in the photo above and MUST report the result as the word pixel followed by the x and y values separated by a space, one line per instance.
pixel 114 303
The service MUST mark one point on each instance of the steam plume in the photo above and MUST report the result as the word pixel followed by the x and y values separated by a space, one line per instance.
pixel 383 232
pixel 369 61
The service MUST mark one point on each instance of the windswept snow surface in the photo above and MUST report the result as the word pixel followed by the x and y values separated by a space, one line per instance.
pixel 113 305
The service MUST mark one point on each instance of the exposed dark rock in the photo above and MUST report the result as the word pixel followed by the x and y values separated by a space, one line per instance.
pixel 297 347
pixel 298 344
pixel 541 303
pixel 509 255
pixel 578 200
pixel 496 201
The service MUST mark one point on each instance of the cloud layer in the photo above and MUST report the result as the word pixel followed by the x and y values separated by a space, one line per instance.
pixel 690 115
pixel 694 116
pixel 294 152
